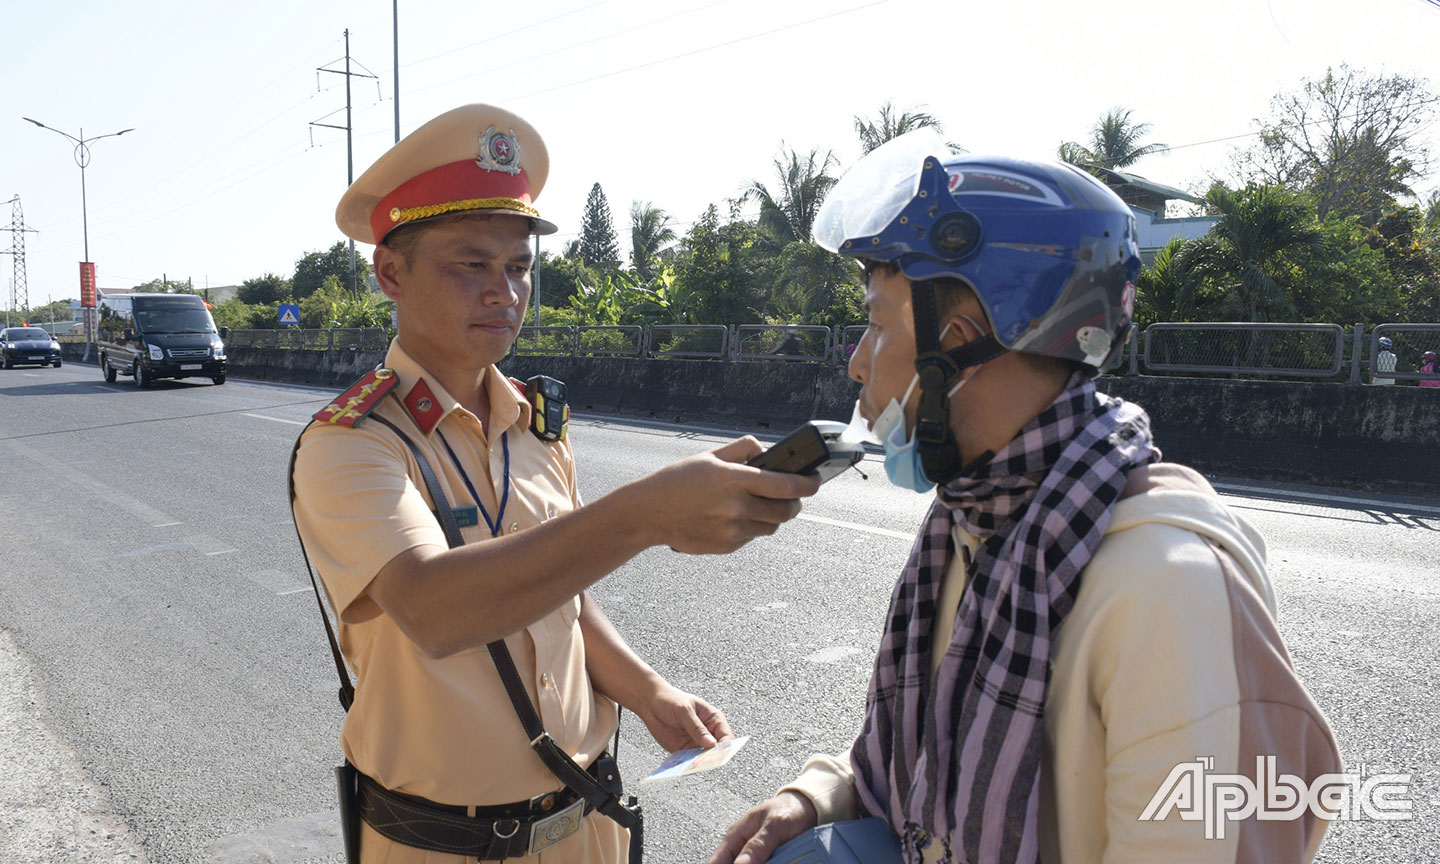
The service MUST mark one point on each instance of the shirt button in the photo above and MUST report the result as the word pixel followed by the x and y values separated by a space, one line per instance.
pixel 514 526
pixel 547 680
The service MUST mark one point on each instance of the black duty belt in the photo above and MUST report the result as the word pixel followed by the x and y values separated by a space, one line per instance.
pixel 493 833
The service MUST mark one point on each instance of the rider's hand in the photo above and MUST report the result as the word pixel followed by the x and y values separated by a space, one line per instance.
pixel 767 827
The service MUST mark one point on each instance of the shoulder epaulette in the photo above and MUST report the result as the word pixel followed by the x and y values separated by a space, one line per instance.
pixel 359 399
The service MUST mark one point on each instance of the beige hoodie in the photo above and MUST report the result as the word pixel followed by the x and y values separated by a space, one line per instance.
pixel 1170 654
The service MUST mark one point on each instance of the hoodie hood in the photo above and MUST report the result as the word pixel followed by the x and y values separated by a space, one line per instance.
pixel 1174 495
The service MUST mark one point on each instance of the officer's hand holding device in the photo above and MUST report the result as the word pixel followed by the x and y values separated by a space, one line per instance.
pixel 819 447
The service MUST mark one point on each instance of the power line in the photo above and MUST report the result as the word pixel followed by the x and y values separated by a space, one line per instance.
pixel 1320 122
pixel 567 48
pixel 697 51
pixel 504 35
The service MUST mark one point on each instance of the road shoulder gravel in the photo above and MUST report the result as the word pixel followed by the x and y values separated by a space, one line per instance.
pixel 49 810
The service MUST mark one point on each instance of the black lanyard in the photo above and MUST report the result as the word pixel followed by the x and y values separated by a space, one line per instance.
pixel 498 523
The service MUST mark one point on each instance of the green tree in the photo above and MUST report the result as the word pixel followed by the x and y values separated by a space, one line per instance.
pixel 650 232
pixel 602 302
pixel 788 214
pixel 556 279
pixel 264 289
pixel 311 270
pixel 815 286
pixel 1346 278
pixel 1408 242
pixel 1115 142
pixel 723 268
pixel 239 315
pixel 1431 211
pixel 598 244
pixel 56 310
pixel 317 309
pixel 660 299
pixel 1166 289
pixel 891 124
pixel 1248 257
pixel 165 286
pixel 1354 141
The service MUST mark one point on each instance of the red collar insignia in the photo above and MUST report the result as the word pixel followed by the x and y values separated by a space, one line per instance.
pixel 424 408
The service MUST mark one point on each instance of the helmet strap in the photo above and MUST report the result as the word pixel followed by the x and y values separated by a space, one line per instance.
pixel 939 371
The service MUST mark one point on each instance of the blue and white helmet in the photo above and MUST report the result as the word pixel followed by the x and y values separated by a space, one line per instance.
pixel 1048 249
pixel 1385 343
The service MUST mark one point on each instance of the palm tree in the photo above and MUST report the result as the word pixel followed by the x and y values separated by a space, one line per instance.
pixel 893 125
pixel 1114 143
pixel 804 181
pixel 1260 231
pixel 1431 210
pixel 650 232
pixel 1165 290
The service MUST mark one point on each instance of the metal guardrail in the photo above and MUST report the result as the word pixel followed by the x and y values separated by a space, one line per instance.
pixel 846 339
pixel 1272 350
pixel 1290 350
pixel 784 342
pixel 1410 342
pixel 293 338
pixel 545 341
pixel 627 340
pixel 696 341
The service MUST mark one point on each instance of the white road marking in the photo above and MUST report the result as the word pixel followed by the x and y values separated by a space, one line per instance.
pixel 855 526
pixel 833 654
pixel 122 500
pixel 276 419
pixel 135 553
pixel 1375 503
pixel 288 841
pixel 167 524
pixel 221 552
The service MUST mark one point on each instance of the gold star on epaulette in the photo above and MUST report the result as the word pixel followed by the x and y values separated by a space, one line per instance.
pixel 359 399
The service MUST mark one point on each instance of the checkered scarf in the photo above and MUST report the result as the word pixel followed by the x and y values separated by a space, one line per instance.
pixel 957 760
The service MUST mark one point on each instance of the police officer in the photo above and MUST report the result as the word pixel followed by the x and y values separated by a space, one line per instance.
pixel 432 729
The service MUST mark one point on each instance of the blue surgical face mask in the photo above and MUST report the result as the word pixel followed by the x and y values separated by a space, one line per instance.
pixel 902 456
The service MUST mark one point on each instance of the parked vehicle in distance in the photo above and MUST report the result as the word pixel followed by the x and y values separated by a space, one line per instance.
pixel 152 336
pixel 32 346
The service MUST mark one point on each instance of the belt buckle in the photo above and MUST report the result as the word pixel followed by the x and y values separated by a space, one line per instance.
pixel 546 832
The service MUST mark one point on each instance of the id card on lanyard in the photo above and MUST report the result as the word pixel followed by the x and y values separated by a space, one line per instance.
pixel 497 524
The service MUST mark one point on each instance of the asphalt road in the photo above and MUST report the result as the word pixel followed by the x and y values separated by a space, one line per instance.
pixel 166 694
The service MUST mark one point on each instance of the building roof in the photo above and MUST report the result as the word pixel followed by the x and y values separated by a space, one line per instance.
pixel 1117 179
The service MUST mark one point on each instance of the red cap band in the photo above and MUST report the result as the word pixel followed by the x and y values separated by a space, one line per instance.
pixel 451 188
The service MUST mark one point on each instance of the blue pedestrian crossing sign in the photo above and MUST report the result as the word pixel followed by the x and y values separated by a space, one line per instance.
pixel 289 313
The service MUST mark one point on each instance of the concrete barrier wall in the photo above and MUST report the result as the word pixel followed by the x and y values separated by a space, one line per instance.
pixel 1334 433
pixel 1331 433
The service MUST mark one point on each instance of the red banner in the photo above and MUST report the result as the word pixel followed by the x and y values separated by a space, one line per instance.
pixel 87 284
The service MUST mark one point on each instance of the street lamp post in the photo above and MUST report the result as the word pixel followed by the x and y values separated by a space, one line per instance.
pixel 82 158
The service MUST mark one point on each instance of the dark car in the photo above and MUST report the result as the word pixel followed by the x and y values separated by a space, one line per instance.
pixel 153 336
pixel 28 346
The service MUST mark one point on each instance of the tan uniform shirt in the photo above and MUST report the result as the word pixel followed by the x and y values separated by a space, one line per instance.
pixel 444 729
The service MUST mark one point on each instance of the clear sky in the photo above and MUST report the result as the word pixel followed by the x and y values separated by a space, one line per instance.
pixel 679 102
